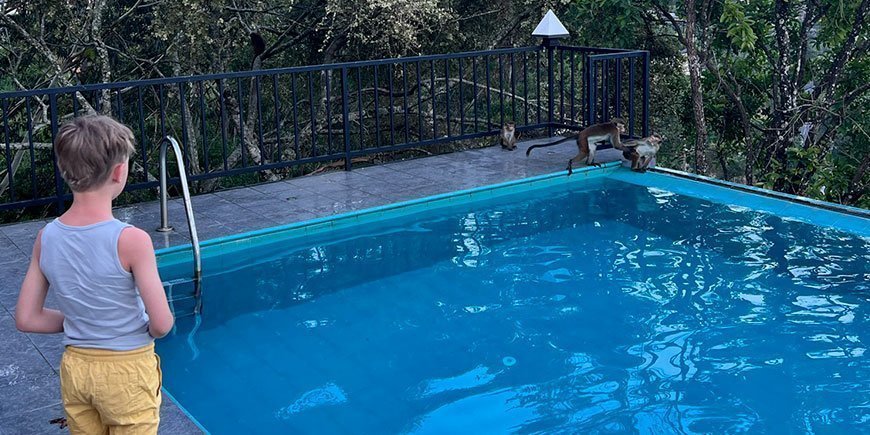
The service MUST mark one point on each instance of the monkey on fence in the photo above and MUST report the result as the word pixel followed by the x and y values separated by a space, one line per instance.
pixel 508 136
pixel 642 151
pixel 588 140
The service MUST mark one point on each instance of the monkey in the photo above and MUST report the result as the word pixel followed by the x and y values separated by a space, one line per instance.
pixel 509 136
pixel 588 139
pixel 258 43
pixel 642 151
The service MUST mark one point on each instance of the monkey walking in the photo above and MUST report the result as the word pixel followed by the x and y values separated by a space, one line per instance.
pixel 588 139
pixel 508 136
pixel 642 151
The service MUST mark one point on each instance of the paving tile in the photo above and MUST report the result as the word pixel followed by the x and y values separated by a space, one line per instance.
pixel 27 381
pixel 278 187
pixel 173 421
pixel 10 253
pixel 240 195
pixel 11 277
pixel 35 421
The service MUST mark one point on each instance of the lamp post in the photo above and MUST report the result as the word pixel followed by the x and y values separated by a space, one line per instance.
pixel 550 30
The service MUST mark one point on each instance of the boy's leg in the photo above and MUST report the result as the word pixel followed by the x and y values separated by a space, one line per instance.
pixel 130 403
pixel 75 387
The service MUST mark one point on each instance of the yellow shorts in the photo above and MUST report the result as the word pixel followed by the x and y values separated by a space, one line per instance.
pixel 106 391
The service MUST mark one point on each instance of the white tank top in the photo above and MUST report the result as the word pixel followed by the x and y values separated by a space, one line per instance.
pixel 99 300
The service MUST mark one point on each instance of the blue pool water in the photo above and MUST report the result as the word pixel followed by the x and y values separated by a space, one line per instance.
pixel 594 306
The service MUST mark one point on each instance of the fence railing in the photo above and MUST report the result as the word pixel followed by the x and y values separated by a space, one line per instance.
pixel 265 121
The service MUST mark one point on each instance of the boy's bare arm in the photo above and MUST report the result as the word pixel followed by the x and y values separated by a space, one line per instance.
pixel 137 255
pixel 30 312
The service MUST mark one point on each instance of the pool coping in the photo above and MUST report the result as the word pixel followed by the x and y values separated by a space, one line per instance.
pixel 845 209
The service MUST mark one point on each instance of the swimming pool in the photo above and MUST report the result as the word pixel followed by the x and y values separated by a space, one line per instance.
pixel 608 301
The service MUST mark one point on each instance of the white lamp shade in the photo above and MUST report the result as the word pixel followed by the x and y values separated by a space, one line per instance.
pixel 550 27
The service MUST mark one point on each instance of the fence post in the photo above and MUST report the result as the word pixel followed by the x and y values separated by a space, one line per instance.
pixel 345 119
pixel 58 181
pixel 645 93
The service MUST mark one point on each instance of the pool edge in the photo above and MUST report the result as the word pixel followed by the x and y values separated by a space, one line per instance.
pixel 802 200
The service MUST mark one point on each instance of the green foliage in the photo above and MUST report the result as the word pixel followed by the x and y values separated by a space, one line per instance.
pixel 738 25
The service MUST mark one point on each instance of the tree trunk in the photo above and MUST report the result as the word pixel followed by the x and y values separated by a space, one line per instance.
pixel 697 95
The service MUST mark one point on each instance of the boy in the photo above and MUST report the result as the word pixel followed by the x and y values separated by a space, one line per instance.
pixel 104 274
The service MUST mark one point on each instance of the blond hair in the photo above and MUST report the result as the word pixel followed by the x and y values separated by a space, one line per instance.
pixel 87 149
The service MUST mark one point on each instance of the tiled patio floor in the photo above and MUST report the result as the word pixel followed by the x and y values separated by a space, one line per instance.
pixel 29 382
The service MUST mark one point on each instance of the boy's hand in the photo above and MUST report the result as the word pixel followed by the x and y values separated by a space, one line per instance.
pixel 30 312
pixel 137 256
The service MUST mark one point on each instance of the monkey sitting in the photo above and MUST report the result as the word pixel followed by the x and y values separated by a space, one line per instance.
pixel 588 140
pixel 642 151
pixel 509 136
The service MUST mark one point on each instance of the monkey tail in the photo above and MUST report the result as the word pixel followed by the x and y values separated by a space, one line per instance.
pixel 549 144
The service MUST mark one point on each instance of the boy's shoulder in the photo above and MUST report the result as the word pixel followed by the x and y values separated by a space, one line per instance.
pixel 135 236
pixel 134 245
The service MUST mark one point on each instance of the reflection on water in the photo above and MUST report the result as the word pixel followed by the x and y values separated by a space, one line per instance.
pixel 624 309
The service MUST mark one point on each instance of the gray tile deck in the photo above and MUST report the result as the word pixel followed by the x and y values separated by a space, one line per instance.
pixel 29 382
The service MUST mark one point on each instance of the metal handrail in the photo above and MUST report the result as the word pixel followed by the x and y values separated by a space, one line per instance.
pixel 188 208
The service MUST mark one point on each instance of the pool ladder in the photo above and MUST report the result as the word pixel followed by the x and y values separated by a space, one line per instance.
pixel 188 208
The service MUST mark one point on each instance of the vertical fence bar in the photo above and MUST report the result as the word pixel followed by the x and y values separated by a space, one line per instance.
pixel 313 114
pixel 593 88
pixel 587 86
pixel 204 127
pixel 605 88
pixel 328 119
pixel 631 91
pixel 447 94
pixel 617 90
pixel 551 102
pixel 58 180
pixel 405 97
pixel 359 98
pixel 573 93
pixel 526 87
pixel 9 149
pixel 160 95
pixel 345 113
pixel 419 104
pixel 538 83
pixel 377 95
pixel 185 142
pixel 645 93
pixel 260 121
pixel 143 138
pixel 242 141
pixel 32 150
pixel 461 100
pixel 295 102
pixel 474 93
pixel 513 90
pixel 392 125
pixel 223 107
pixel 432 93
pixel 277 117
pixel 562 86
pixel 486 71
pixel 501 87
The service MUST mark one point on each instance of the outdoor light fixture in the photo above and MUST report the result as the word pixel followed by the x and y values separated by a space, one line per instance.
pixel 550 29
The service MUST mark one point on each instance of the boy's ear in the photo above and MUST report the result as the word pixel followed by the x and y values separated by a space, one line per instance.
pixel 118 172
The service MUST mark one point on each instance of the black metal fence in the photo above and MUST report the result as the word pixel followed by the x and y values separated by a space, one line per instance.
pixel 266 120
